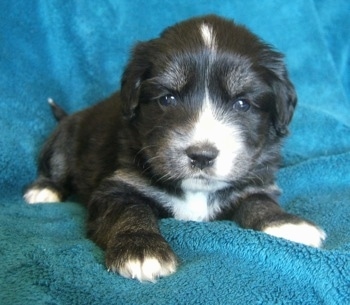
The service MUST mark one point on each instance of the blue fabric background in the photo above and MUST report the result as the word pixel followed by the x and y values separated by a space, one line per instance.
pixel 74 52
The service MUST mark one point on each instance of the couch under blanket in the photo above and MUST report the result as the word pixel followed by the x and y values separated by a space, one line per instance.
pixel 74 52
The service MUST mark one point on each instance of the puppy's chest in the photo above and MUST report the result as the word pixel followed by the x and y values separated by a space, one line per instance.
pixel 195 206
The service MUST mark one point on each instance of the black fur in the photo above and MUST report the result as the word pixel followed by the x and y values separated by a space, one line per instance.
pixel 119 156
pixel 57 111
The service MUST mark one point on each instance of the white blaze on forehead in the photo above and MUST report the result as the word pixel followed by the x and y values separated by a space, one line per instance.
pixel 224 136
pixel 208 36
pixel 207 128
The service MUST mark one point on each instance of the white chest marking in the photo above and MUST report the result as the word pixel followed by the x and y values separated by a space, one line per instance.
pixel 193 206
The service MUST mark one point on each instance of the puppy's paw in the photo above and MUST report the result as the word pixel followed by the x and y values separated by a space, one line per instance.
pixel 41 195
pixel 303 232
pixel 149 269
pixel 141 256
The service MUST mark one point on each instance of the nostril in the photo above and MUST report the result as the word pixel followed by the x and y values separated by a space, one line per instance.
pixel 202 156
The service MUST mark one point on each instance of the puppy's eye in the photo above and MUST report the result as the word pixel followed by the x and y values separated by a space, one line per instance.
pixel 241 104
pixel 167 100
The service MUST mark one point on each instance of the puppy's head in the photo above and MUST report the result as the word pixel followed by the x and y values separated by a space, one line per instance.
pixel 210 102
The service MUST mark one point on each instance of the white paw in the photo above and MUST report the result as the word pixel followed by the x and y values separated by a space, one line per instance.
pixel 303 233
pixel 148 270
pixel 33 196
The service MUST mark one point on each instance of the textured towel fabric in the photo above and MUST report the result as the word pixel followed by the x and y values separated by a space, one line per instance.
pixel 74 52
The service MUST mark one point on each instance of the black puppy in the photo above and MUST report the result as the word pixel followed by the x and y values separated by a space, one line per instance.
pixel 195 134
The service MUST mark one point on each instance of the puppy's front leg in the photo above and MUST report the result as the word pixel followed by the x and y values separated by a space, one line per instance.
pixel 260 212
pixel 123 222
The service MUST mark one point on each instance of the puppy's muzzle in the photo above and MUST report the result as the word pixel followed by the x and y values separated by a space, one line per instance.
pixel 202 156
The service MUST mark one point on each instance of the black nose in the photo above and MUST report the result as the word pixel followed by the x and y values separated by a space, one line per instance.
pixel 202 156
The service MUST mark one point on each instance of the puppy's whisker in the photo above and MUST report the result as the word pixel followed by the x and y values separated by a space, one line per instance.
pixel 153 158
pixel 165 178
pixel 253 177
pixel 142 150
pixel 148 165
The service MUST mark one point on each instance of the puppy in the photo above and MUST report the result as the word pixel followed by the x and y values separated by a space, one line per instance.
pixel 195 133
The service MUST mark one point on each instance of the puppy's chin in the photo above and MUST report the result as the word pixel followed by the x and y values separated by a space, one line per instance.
pixel 203 184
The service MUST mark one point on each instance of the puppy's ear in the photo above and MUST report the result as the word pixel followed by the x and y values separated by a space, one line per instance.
pixel 286 100
pixel 283 90
pixel 135 73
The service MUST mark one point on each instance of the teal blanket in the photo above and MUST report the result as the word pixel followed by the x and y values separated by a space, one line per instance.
pixel 74 52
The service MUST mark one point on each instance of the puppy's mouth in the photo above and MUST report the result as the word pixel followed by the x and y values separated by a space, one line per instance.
pixel 203 183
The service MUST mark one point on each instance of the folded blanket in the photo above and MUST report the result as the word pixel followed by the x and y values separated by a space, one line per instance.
pixel 74 52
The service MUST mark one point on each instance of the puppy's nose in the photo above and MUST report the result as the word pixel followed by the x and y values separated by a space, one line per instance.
pixel 202 156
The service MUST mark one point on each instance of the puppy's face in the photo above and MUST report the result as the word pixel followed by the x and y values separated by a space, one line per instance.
pixel 210 102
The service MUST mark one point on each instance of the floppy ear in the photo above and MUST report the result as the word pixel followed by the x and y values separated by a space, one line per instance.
pixel 286 101
pixel 283 90
pixel 135 73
